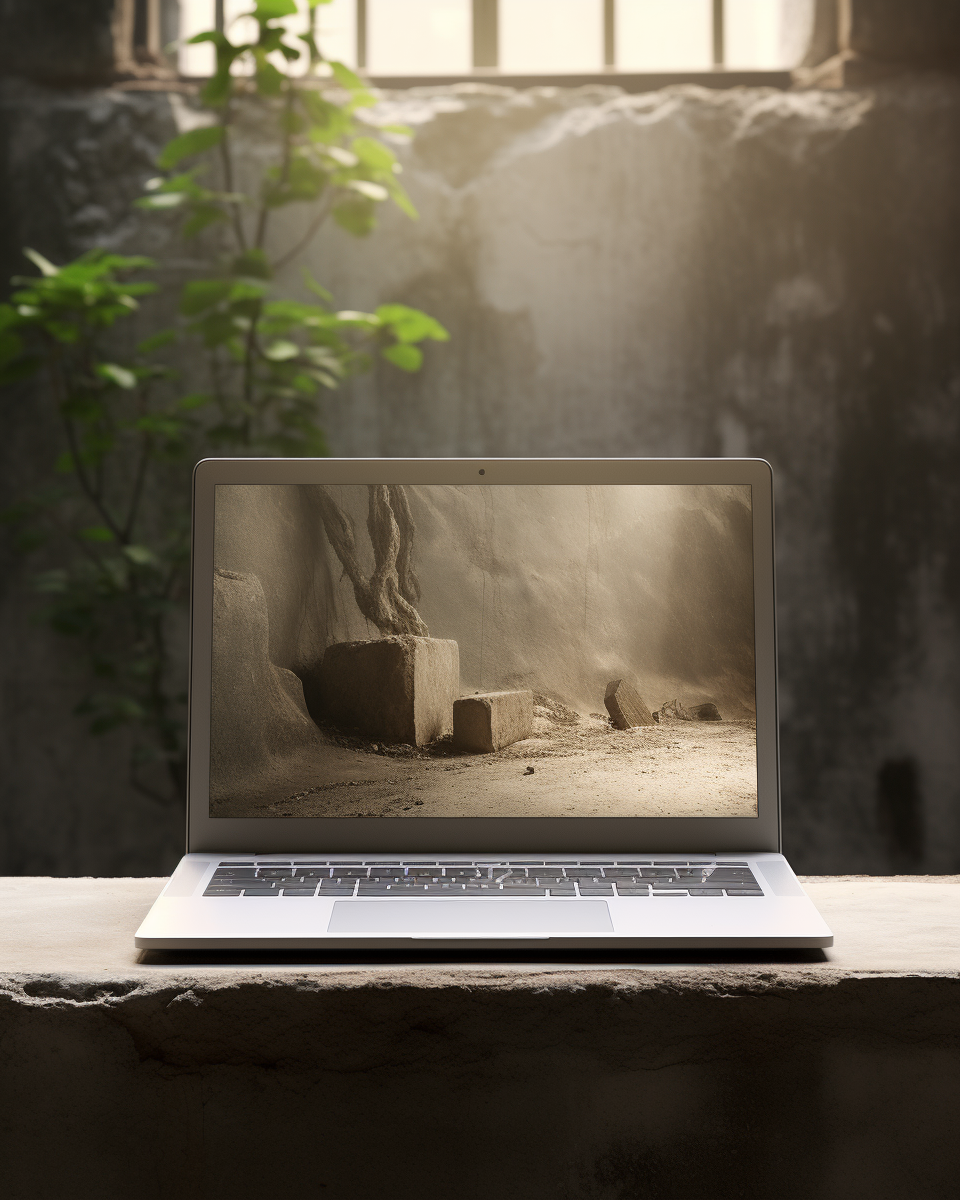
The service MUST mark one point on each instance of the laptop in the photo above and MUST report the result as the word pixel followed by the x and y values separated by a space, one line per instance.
pixel 470 703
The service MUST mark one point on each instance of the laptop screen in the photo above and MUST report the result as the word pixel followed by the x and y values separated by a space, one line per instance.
pixel 483 651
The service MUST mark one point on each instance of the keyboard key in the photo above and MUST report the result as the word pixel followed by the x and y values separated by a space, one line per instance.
pixel 629 891
pixel 743 892
pixel 260 892
pixel 706 892
pixel 222 891
pixel 299 892
pixel 656 893
pixel 562 891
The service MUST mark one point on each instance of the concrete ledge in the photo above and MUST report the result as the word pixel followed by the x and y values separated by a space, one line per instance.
pixel 131 1075
pixel 491 720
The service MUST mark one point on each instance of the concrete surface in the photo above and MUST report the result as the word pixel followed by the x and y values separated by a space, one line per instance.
pixel 125 1075
pixel 490 721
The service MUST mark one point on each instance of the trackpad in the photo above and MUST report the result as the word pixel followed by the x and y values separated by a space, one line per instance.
pixel 471 918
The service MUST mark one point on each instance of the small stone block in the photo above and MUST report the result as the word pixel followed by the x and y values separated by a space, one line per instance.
pixel 399 688
pixel 705 712
pixel 492 720
pixel 627 710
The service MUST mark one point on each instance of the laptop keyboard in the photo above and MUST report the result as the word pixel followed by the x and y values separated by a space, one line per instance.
pixel 633 878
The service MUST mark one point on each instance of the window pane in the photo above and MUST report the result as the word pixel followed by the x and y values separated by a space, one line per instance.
pixel 551 35
pixel 418 37
pixel 337 31
pixel 766 34
pixel 196 16
pixel 336 22
pixel 665 35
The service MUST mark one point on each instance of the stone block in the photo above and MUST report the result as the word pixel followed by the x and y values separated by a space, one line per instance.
pixel 492 720
pixel 400 688
pixel 625 706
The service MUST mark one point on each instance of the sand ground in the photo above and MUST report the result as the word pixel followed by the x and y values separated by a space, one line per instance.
pixel 582 767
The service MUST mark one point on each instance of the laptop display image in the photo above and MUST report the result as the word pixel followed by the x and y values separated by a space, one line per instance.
pixel 469 651
pixel 482 704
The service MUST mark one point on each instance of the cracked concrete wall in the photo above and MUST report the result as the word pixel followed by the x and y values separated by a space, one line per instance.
pixel 683 272
pixel 581 1085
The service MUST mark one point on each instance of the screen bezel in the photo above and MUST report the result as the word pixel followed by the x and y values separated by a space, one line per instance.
pixel 481 834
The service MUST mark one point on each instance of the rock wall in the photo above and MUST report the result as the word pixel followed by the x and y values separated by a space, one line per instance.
pixel 677 273
pixel 554 591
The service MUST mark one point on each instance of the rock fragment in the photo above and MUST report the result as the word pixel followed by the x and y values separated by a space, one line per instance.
pixel 625 706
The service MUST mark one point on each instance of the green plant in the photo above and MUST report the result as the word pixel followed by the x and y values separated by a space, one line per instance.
pixel 113 517
pixel 269 357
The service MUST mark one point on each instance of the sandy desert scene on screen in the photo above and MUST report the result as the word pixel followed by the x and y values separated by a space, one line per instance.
pixel 483 651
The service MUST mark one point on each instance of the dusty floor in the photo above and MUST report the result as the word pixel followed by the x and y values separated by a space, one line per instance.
pixel 582 767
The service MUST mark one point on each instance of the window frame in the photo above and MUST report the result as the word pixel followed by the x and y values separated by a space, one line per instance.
pixel 485 25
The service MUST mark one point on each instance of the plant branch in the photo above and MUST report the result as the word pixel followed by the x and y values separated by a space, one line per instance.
pixel 321 215
pixel 141 475
pixel 227 164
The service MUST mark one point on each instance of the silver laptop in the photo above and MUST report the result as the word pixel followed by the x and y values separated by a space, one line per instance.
pixel 483 703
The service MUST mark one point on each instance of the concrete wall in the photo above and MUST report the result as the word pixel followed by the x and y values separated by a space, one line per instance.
pixel 681 272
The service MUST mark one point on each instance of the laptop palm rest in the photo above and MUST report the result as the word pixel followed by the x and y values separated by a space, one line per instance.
pixel 470 918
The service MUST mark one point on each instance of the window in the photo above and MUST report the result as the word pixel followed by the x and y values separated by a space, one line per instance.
pixel 519 40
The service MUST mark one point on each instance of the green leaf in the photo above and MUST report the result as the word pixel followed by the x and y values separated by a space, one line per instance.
pixel 114 373
pixel 372 191
pixel 43 265
pixel 269 79
pixel 218 88
pixel 156 341
pixel 11 346
pixel 410 324
pixel 341 156
pixel 270 10
pixel 253 264
pixel 281 351
pixel 202 294
pixel 347 78
pixel 194 400
pixel 203 215
pixel 161 200
pixel 407 358
pixel 196 141
pixel 374 154
pixel 96 533
pixel 356 216
pixel 315 287
pixel 142 556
